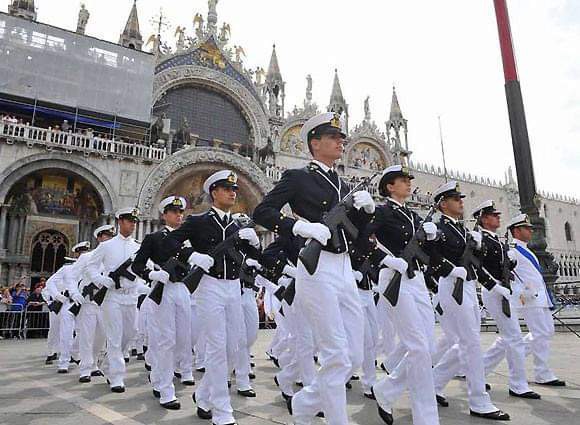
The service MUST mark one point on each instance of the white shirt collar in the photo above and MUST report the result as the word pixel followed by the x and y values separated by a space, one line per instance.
pixel 522 243
pixel 221 213
pixel 171 229
pixel 453 220
pixel 488 231
pixel 123 238
pixel 322 165
pixel 396 202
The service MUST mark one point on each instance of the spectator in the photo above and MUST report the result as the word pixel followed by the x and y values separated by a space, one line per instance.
pixel 35 300
pixel 5 297
pixel 18 297
pixel 65 125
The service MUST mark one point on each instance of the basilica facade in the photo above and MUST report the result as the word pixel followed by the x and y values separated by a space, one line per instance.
pixel 67 164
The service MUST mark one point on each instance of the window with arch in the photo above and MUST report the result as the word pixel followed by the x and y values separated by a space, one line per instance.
pixel 568 232
pixel 48 251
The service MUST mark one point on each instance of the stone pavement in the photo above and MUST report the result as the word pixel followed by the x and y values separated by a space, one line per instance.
pixel 32 393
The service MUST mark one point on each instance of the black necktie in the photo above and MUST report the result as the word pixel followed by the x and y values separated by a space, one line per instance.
pixel 333 176
pixel 226 220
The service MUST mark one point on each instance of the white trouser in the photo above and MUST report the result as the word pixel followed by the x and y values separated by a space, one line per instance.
pixel 541 330
pixel 371 335
pixel 219 308
pixel 66 332
pixel 149 310
pixel 332 306
pixel 281 338
pixel 141 339
pixel 53 338
pixel 414 323
pixel 248 334
pixel 119 320
pixel 91 337
pixel 463 322
pixel 172 320
pixel 515 348
pixel 386 330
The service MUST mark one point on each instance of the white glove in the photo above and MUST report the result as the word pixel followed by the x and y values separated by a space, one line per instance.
pixel 363 199
pixel 289 270
pixel 249 235
pixel 61 298
pixel 395 263
pixel 159 276
pixel 500 290
pixel 78 298
pixel 477 238
pixel 430 229
pixel 105 281
pixel 203 261
pixel 357 275
pixel 284 281
pixel 459 273
pixel 253 263
pixel 512 255
pixel 316 231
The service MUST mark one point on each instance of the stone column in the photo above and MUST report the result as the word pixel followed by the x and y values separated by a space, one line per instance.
pixel 148 226
pixel 140 234
pixel 21 232
pixel 12 234
pixel 3 216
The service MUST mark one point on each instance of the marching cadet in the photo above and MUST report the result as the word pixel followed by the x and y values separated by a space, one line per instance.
pixel 90 318
pixel 120 304
pixel 394 227
pixel 532 301
pixel 329 297
pixel 494 256
pixel 464 321
pixel 171 319
pixel 218 296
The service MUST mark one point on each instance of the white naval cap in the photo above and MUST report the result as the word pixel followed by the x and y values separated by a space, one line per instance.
pixel 520 220
pixel 325 123
pixel 106 228
pixel 447 190
pixel 486 207
pixel 130 213
pixel 225 178
pixel 391 173
pixel 81 245
pixel 172 202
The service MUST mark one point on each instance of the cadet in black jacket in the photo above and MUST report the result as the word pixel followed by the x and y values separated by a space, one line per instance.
pixel 169 323
pixel 412 317
pixel 463 320
pixel 218 297
pixel 329 297
pixel 493 258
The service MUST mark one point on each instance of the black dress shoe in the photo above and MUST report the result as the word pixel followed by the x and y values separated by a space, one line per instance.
pixel 554 383
pixel 127 360
pixel 247 393
pixel 97 373
pixel 171 405
pixel 201 369
pixel 117 389
pixel 441 401
pixel 156 394
pixel 315 359
pixel 85 379
pixel 384 368
pixel 62 371
pixel 148 367
pixel 134 352
pixel 348 385
pixel 285 396
pixel 229 383
pixel 529 395
pixel 370 396
pixel 494 416
pixel 487 387
pixel 289 405
pixel 140 357
pixel 387 417
pixel 275 360
pixel 252 364
pixel 252 375
pixel 189 383
pixel 201 413
pixel 49 360
pixel 299 384
pixel 320 415
pixel 74 361
pixel 145 348
pixel 177 375
pixel 355 378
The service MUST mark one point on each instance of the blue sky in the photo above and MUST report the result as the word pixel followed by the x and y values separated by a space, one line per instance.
pixel 443 56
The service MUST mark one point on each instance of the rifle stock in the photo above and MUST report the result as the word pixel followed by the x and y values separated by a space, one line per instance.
pixel 55 306
pixel 393 289
pixel 457 293
pixel 310 255
pixel 116 275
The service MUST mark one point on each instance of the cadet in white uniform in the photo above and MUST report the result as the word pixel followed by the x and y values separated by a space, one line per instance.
pixel 120 303
pixel 532 301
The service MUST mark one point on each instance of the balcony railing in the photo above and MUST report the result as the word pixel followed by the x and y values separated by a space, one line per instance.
pixel 70 142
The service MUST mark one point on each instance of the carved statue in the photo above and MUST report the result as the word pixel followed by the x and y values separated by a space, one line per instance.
pixel 212 6
pixel 83 19
pixel 199 21
pixel 180 34
pixel 367 110
pixel 154 40
pixel 260 74
pixel 225 33
pixel 239 53
pixel 182 135
pixel 309 88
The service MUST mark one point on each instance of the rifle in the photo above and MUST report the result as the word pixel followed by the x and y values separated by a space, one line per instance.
pixel 176 270
pixel 370 273
pixel 116 275
pixel 506 277
pixel 55 306
pixel 337 221
pixel 88 290
pixel 470 262
pixel 412 253
pixel 226 247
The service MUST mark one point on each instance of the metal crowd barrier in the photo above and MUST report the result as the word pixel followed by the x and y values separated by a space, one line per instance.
pixel 10 322
pixel 23 324
pixel 36 322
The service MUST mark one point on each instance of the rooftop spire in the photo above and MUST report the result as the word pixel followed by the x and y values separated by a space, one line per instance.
pixel 131 36
pixel 23 9
pixel 396 113
pixel 336 97
pixel 274 73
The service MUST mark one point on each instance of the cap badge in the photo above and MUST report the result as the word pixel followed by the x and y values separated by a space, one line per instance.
pixel 335 121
